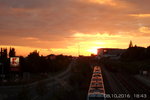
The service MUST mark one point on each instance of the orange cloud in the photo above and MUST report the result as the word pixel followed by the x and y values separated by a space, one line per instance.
pixel 104 35
pixel 106 2
pixel 140 15
pixel 144 29
pixel 30 38
pixel 113 3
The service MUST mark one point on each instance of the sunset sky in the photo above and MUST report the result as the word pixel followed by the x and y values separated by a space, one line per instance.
pixel 64 26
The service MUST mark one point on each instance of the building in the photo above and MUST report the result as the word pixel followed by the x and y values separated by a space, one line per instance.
pixel 112 53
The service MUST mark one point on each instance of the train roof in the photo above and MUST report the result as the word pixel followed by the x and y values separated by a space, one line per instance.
pixel 96 88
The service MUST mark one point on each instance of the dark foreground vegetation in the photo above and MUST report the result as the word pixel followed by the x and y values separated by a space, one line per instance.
pixel 36 64
pixel 33 68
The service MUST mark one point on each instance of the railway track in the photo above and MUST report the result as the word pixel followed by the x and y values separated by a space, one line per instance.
pixel 133 85
pixel 121 83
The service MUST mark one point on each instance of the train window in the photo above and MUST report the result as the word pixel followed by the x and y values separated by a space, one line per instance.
pixel 96 83
pixel 97 72
pixel 96 79
pixel 96 86
pixel 96 75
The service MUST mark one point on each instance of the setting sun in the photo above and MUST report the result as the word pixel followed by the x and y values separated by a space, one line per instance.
pixel 93 50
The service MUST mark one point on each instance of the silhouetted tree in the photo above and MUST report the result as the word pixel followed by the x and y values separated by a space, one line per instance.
pixel 134 53
pixel 130 45
pixel 148 52
pixel 38 64
pixel 33 60
pixel 12 52
pixel 44 65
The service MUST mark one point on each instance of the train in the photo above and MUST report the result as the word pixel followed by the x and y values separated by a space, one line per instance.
pixel 96 89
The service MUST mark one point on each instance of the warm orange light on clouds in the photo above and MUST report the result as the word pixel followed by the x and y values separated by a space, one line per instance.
pixel 73 27
pixel 84 44
pixel 144 29
pixel 107 2
pixel 140 15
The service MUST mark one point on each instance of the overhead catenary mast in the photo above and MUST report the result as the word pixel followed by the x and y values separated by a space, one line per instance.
pixel 78 50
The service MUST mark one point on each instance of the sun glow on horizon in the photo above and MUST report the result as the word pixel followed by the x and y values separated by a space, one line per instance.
pixel 82 44
pixel 93 50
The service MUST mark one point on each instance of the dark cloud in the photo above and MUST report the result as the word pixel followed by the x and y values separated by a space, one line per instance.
pixel 24 3
pixel 140 6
